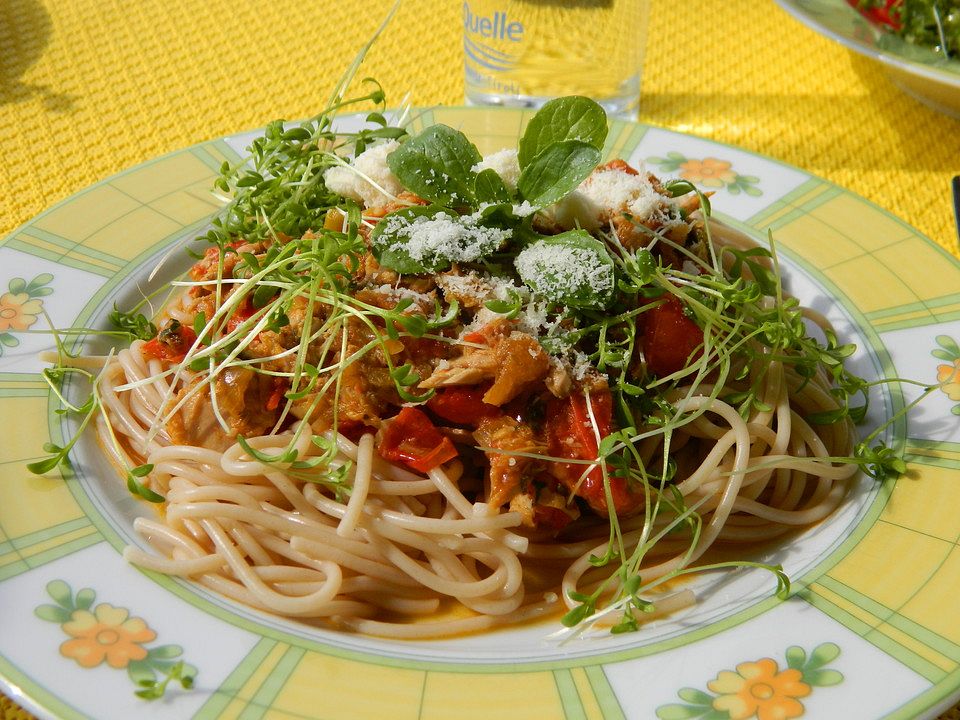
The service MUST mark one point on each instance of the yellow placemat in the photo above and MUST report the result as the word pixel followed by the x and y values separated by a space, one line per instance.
pixel 91 87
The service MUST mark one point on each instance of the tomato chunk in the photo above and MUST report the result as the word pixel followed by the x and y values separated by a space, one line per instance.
pixel 463 404
pixel 171 344
pixel 670 338
pixel 411 438
pixel 280 387
pixel 546 517
pixel 243 313
pixel 571 434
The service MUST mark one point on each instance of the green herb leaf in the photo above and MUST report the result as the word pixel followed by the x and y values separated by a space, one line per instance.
pixel 136 324
pixel 436 165
pixel 509 308
pixel 577 615
pixel 46 465
pixel 137 488
pixel 556 171
pixel 490 188
pixel 566 118
pixel 678 187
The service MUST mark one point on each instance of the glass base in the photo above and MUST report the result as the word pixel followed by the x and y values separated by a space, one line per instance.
pixel 624 107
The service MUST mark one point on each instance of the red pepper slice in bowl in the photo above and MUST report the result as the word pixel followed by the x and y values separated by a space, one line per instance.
pixel 885 12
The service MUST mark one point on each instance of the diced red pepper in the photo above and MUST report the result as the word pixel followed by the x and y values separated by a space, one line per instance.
pixel 487 333
pixel 670 338
pixel 886 14
pixel 547 517
pixel 354 429
pixel 571 434
pixel 243 313
pixel 174 345
pixel 411 438
pixel 477 336
pixel 280 386
pixel 463 404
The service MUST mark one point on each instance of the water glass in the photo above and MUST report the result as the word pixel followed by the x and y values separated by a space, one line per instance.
pixel 524 52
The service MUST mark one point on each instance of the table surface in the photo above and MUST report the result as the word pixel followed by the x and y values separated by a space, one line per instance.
pixel 91 87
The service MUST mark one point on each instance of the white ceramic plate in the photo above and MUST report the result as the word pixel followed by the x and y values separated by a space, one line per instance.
pixel 872 626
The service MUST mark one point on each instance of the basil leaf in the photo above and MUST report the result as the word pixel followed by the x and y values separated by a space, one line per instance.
pixel 572 269
pixel 436 165
pixel 430 238
pixel 499 215
pixel 556 171
pixel 566 118
pixel 490 188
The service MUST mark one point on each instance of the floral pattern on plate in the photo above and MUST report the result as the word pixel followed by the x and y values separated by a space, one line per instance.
pixel 21 306
pixel 708 172
pixel 109 633
pixel 759 689
pixel 948 374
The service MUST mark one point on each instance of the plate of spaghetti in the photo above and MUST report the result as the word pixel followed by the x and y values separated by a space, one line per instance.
pixel 458 412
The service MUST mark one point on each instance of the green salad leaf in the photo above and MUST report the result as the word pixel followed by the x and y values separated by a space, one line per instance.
pixel 490 188
pixel 560 168
pixel 566 118
pixel 437 165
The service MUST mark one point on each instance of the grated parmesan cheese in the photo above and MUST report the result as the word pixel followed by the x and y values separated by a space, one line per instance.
pixel 604 194
pixel 505 164
pixel 368 179
pixel 397 293
pixel 559 271
pixel 468 286
pixel 443 237
pixel 524 209
pixel 581 365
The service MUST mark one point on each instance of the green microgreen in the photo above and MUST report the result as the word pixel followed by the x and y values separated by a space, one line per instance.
pixel 154 689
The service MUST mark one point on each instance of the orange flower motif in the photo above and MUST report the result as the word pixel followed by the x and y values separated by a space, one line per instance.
pixel 18 311
pixel 709 172
pixel 107 632
pixel 951 373
pixel 756 689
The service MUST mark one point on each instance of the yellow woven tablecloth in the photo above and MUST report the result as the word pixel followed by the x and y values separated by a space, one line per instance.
pixel 90 87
